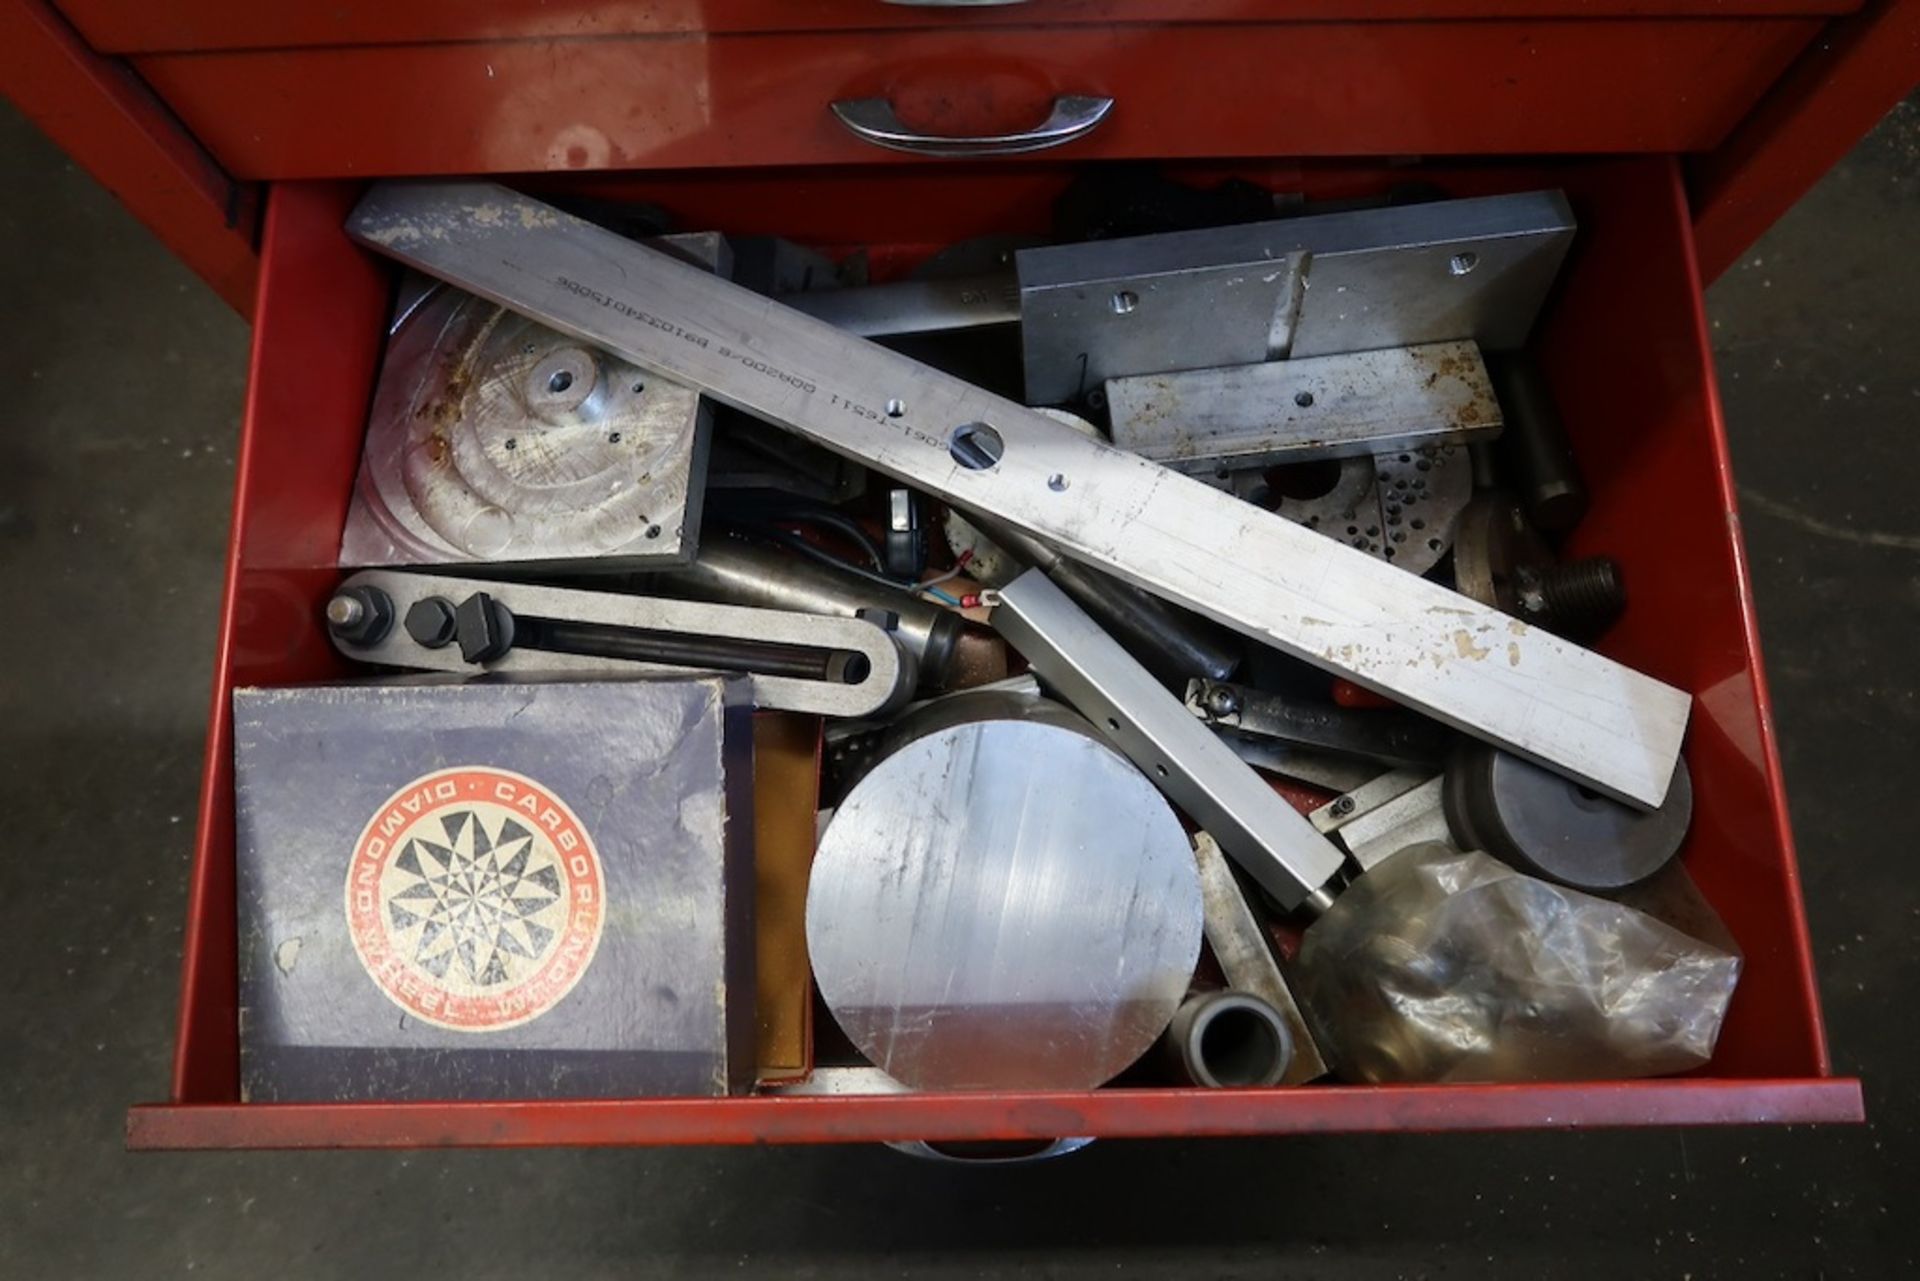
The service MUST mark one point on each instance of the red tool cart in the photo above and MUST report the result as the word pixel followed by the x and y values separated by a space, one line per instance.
pixel 241 134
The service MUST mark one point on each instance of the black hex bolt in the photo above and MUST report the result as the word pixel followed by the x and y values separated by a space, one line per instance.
pixel 360 615
pixel 431 623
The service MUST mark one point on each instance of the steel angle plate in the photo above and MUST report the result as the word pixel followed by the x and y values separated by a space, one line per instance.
pixel 1356 280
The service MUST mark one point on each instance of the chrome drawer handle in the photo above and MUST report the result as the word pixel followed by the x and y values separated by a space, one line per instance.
pixel 1012 1152
pixel 873 120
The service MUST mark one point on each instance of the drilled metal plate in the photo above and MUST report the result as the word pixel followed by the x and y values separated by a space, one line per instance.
pixel 1349 511
pixel 494 438
pixel 1314 286
pixel 1402 508
pixel 1422 493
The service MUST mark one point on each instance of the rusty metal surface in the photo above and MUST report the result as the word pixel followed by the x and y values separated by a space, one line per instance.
pixel 1218 421
pixel 495 439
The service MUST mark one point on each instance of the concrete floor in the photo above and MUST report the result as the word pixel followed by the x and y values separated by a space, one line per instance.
pixel 120 386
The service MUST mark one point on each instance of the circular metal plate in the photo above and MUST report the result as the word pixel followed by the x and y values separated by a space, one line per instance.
pixel 1349 511
pixel 1003 904
pixel 503 439
pixel 1552 827
pixel 1400 507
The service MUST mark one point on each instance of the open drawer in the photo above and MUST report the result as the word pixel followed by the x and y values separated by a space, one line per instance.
pixel 1624 341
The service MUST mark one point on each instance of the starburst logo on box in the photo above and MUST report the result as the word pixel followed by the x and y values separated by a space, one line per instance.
pixel 475 899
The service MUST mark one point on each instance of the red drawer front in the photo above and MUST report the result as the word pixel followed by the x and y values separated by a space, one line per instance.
pixel 1324 89
pixel 115 26
pixel 1626 345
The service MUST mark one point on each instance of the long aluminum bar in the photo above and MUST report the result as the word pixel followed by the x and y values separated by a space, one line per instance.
pixel 1438 652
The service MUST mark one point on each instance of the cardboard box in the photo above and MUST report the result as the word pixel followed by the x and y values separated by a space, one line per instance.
pixel 529 889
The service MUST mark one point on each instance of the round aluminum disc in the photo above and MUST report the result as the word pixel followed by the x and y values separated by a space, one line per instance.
pixel 1003 904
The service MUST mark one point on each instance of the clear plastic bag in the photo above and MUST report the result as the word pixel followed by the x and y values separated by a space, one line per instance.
pixel 1443 966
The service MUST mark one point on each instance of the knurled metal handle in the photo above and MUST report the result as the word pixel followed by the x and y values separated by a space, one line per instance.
pixel 873 120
